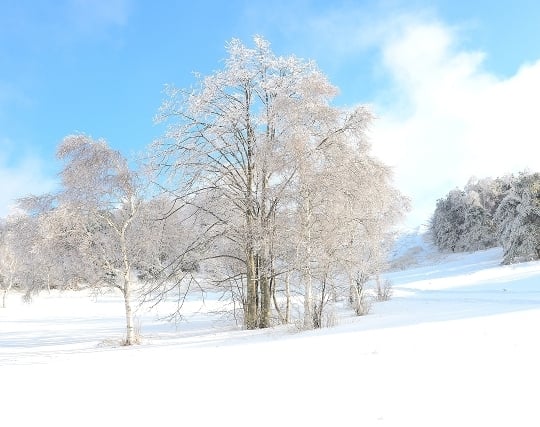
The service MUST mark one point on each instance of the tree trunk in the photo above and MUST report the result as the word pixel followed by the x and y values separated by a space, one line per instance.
pixel 288 299
pixel 130 331
pixel 251 294
pixel 308 300
pixel 308 279
pixel 126 290
pixel 266 299
pixel 265 257
pixel 274 299
pixel 355 297
pixel 251 320
pixel 4 296
pixel 318 309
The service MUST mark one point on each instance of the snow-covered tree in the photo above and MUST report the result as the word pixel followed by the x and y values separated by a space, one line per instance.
pixel 518 216
pixel 20 264
pixel 345 206
pixel 448 221
pixel 255 146
pixel 9 267
pixel 464 219
pixel 88 225
pixel 100 199
pixel 44 228
pixel 98 231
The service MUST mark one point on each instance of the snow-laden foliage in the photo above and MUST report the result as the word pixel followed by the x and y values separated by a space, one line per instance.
pixel 268 192
pixel 284 179
pixel 23 266
pixel 9 268
pixel 463 220
pixel 518 216
pixel 88 234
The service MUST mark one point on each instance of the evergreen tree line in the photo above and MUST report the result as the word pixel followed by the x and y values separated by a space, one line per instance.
pixel 491 212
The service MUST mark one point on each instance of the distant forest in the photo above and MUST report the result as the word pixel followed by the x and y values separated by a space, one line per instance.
pixel 491 212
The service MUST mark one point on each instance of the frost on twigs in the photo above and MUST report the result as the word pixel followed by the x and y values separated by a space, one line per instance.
pixel 283 181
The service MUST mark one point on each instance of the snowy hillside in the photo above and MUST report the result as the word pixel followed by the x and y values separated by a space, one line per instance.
pixel 456 346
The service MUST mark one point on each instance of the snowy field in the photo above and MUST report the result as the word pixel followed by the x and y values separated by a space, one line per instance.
pixel 458 345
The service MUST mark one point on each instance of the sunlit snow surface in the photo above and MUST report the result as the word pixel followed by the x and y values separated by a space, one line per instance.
pixel 458 345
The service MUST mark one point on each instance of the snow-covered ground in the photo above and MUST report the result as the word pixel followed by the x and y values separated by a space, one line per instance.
pixel 458 345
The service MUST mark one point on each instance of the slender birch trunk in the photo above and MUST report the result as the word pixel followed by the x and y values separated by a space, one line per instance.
pixel 288 298
pixel 130 331
pixel 126 288
pixel 307 273
pixel 308 300
pixel 251 295
pixel 4 296
pixel 266 299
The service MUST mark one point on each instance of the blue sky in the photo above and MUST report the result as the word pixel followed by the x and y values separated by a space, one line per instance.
pixel 455 85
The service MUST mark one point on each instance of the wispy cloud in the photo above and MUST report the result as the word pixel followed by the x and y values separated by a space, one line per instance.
pixel 446 118
pixel 443 117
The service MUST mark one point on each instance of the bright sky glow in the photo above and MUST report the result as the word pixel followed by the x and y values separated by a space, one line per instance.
pixel 455 85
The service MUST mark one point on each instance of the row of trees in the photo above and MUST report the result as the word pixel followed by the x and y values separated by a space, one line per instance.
pixel 490 212
pixel 266 190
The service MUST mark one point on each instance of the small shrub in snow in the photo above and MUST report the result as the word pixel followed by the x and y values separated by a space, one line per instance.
pixel 28 297
pixel 330 319
pixel 384 290
pixel 360 299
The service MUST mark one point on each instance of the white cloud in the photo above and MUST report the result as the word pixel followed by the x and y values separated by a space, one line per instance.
pixel 21 177
pixel 447 119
